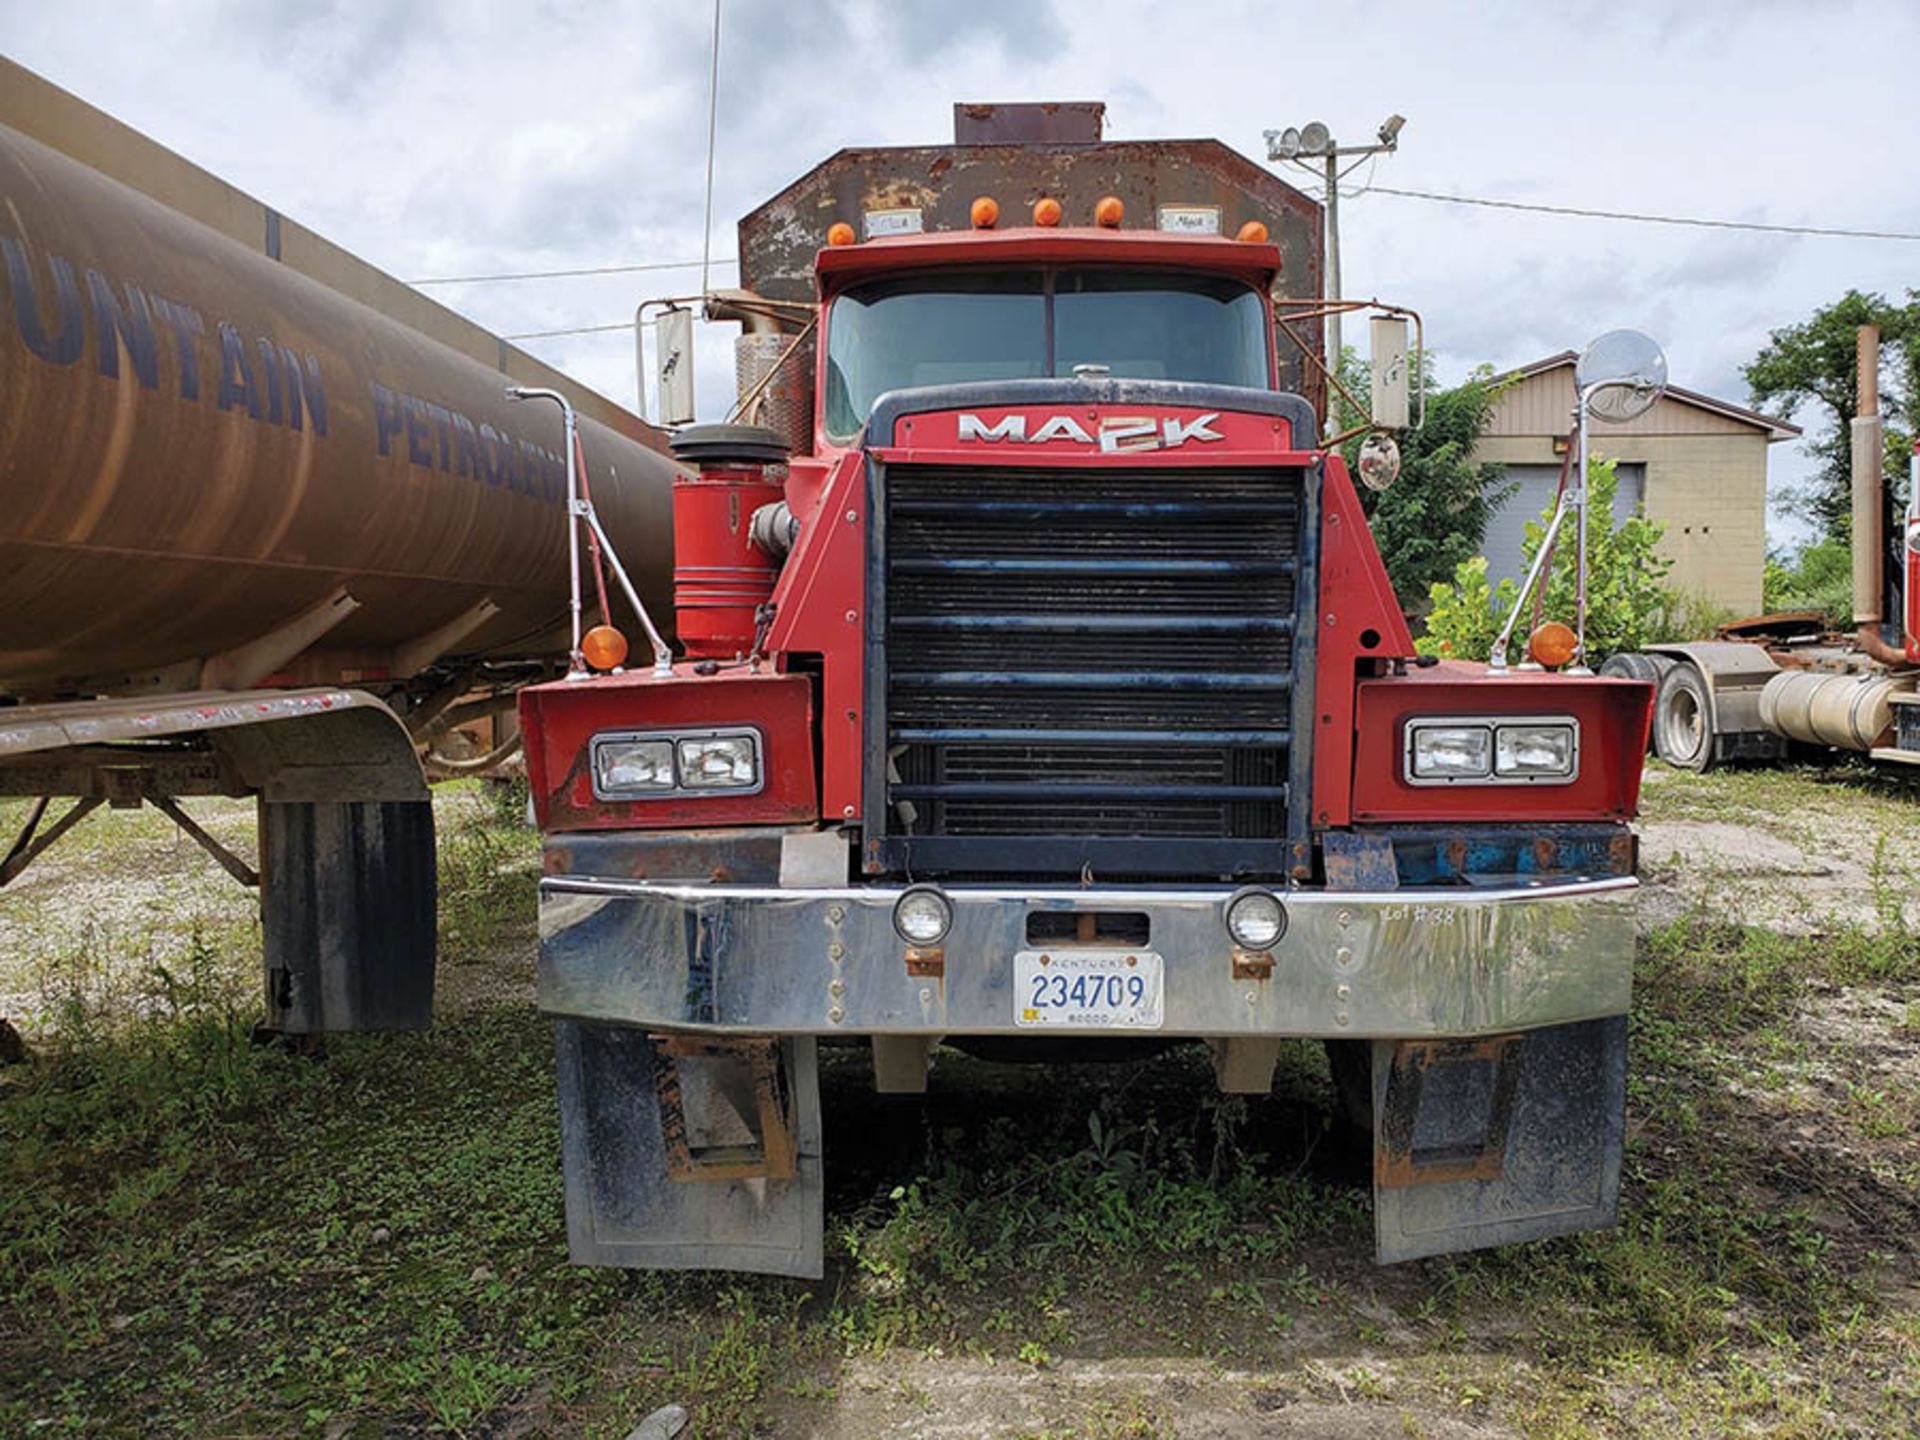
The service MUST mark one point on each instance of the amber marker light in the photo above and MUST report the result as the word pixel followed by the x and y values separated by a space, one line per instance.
pixel 986 213
pixel 1254 232
pixel 1552 644
pixel 604 648
pixel 839 233
pixel 1108 211
pixel 1046 211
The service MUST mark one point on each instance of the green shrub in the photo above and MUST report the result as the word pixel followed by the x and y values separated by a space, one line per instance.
pixel 1625 594
pixel 1819 576
pixel 1688 615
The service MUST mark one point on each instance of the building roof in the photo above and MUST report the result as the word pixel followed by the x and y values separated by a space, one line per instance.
pixel 1776 429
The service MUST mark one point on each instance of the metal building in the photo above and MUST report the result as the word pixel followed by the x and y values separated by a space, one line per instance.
pixel 1698 464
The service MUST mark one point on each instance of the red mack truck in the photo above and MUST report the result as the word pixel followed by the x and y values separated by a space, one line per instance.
pixel 1042 682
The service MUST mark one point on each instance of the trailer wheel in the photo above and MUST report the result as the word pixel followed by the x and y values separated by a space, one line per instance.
pixel 1683 719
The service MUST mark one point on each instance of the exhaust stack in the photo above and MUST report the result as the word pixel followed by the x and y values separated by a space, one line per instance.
pixel 1869 504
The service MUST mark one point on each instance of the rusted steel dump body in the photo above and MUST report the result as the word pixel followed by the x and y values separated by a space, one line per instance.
pixel 199 444
pixel 778 240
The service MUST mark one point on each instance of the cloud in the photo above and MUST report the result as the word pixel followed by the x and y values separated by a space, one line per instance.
pixel 343 47
pixel 1015 27
pixel 1728 259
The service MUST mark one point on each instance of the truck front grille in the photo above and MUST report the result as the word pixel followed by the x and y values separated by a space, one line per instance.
pixel 1076 654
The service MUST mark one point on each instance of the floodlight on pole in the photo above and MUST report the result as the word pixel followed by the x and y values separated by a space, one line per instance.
pixel 1314 141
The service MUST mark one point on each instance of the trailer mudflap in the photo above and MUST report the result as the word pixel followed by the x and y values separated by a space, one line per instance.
pixel 686 1153
pixel 347 915
pixel 1497 1139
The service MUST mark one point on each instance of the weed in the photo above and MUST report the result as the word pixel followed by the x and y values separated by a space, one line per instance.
pixel 487 866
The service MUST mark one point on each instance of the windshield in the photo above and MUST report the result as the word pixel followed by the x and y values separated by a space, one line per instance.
pixel 946 329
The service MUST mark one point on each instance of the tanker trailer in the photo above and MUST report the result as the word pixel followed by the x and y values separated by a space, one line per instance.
pixel 258 539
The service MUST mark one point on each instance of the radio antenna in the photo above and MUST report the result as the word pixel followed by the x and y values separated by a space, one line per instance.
pixel 713 120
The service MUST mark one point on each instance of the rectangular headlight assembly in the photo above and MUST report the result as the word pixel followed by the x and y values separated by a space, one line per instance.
pixel 625 767
pixel 657 764
pixel 1492 750
pixel 1535 752
pixel 719 762
pixel 1439 753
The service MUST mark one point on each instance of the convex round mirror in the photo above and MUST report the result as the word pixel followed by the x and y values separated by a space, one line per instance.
pixel 1622 373
pixel 1379 461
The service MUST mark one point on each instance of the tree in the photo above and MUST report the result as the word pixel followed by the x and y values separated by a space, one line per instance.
pixel 1814 362
pixel 1435 514
pixel 1626 594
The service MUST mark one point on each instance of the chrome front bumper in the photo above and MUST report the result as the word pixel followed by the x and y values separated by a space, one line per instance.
pixel 767 960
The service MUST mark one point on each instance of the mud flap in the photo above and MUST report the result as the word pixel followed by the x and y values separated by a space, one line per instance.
pixel 1497 1139
pixel 690 1154
pixel 347 915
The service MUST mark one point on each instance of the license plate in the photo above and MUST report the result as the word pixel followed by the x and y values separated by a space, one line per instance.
pixel 1087 989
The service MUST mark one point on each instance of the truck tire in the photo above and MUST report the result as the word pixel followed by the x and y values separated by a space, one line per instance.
pixel 1635 665
pixel 1683 730
pixel 1351 1064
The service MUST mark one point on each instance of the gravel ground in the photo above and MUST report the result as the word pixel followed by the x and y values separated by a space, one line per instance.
pixel 1779 851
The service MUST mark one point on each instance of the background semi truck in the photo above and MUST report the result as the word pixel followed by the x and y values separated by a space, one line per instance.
pixel 1043 693
pixel 1766 687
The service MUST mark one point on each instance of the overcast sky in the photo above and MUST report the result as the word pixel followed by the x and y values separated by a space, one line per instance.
pixel 443 139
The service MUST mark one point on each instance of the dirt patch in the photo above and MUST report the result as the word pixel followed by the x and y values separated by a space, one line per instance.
pixel 948 1399
pixel 1751 875
pixel 1796 853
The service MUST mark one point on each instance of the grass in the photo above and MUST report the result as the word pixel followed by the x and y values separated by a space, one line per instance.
pixel 203 1236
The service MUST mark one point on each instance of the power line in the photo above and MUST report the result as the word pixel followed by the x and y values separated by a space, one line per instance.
pixel 1700 224
pixel 567 274
pixel 572 330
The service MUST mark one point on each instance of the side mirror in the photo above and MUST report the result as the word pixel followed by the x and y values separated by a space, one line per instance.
pixel 1390 376
pixel 1620 375
pixel 674 342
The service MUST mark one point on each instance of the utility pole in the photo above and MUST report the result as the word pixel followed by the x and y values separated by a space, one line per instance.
pixel 1313 141
pixel 1332 285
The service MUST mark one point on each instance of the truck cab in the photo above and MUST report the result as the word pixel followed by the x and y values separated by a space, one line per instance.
pixel 1042 681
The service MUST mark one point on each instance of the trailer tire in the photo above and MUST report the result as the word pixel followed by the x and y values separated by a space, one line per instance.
pixel 1683 728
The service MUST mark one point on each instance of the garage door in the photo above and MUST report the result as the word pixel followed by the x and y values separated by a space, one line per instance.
pixel 1507 525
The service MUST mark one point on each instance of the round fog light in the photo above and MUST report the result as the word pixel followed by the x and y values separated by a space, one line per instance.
pixel 1256 920
pixel 923 917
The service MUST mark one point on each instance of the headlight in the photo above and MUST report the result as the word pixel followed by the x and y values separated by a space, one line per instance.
pixel 720 762
pixel 632 767
pixel 652 765
pixel 1492 750
pixel 1450 752
pixel 923 916
pixel 1525 751
pixel 1256 920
